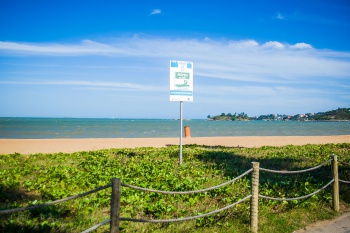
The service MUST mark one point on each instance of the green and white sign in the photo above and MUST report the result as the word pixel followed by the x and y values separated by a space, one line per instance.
pixel 181 81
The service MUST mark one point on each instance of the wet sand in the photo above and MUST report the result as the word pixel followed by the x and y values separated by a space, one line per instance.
pixel 31 146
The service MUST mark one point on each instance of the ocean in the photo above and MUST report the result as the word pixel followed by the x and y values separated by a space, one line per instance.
pixel 42 128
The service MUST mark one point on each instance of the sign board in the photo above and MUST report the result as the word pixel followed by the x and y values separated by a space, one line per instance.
pixel 181 81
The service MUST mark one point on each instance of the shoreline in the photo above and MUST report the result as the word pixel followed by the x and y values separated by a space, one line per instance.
pixel 32 146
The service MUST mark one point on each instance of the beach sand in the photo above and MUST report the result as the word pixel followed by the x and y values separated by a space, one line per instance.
pixel 31 146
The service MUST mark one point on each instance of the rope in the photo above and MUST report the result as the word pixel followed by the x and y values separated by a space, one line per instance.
pixel 187 192
pixel 344 163
pixel 96 226
pixel 54 202
pixel 187 218
pixel 293 172
pixel 344 181
pixel 297 198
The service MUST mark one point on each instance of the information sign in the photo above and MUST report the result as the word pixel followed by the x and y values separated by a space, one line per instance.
pixel 181 81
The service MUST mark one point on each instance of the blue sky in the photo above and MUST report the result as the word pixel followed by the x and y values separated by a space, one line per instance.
pixel 111 58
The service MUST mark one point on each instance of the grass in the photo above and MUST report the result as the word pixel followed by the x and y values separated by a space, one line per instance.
pixel 39 178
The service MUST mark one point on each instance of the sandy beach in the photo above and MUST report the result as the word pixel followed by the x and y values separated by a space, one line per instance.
pixel 31 146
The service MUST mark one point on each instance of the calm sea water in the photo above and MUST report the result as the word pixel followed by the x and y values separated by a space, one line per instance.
pixel 148 128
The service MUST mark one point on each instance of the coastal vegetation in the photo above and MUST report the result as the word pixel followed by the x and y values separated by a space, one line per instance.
pixel 39 178
pixel 230 117
pixel 340 114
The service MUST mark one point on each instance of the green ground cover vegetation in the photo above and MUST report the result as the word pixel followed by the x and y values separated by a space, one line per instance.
pixel 39 178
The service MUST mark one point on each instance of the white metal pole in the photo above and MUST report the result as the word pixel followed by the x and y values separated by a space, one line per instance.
pixel 181 132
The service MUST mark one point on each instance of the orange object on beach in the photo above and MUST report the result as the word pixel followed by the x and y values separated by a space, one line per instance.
pixel 187 132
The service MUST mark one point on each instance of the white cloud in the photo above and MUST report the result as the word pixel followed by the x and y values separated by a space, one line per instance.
pixel 273 44
pixel 244 56
pixel 85 47
pixel 245 73
pixel 243 44
pixel 244 60
pixel 100 85
pixel 280 16
pixel 156 12
pixel 301 46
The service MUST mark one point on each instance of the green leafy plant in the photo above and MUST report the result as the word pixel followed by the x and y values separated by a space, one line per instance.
pixel 39 178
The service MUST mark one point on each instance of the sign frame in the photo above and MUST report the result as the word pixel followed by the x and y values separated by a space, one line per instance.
pixel 181 81
pixel 181 87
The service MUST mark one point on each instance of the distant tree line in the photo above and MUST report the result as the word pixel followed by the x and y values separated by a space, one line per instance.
pixel 230 117
pixel 333 115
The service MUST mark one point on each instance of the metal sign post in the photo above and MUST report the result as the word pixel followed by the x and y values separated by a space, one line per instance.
pixel 181 132
pixel 181 87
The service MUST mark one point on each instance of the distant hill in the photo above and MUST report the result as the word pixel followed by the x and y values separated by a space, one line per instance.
pixel 230 117
pixel 340 114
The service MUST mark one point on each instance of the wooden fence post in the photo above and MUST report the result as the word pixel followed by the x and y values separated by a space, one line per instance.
pixel 254 201
pixel 115 205
pixel 335 191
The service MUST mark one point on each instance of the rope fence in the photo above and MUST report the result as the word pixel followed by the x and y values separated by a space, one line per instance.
pixel 96 226
pixel 189 192
pixel 345 163
pixel 187 218
pixel 169 220
pixel 116 185
pixel 296 172
pixel 297 198
pixel 54 202
pixel 344 181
